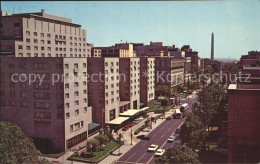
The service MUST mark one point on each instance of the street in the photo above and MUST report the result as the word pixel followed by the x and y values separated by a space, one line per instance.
pixel 159 136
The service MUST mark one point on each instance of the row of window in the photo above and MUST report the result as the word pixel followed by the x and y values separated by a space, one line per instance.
pixel 76 126
pixel 28 33
pixel 67 105
pixel 49 55
pixel 76 112
pixel 67 95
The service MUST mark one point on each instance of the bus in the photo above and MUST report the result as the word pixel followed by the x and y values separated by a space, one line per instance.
pixel 184 107
pixel 177 114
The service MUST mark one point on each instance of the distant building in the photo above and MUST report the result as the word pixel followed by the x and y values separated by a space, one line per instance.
pixel 42 35
pixel 155 49
pixel 244 113
pixel 119 50
pixel 169 72
pixel 193 54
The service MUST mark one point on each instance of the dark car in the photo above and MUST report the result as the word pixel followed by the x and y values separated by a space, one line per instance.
pixel 169 118
pixel 143 137
pixel 125 128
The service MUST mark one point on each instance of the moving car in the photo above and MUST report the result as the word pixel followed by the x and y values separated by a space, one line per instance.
pixel 177 144
pixel 177 114
pixel 171 139
pixel 169 118
pixel 159 152
pixel 143 137
pixel 152 147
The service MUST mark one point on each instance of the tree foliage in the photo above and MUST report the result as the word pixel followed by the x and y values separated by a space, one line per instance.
pixel 162 90
pixel 180 154
pixel 15 147
pixel 209 99
pixel 193 132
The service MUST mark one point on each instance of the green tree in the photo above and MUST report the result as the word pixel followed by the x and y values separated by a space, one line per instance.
pixel 209 99
pixel 162 90
pixel 92 145
pixel 193 132
pixel 102 139
pixel 180 154
pixel 15 147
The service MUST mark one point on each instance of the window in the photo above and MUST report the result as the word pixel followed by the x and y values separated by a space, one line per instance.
pixel 48 42
pixel 68 115
pixel 17 24
pixel 42 34
pixel 42 41
pixel 76 66
pixel 35 40
pixel 85 109
pixel 27 33
pixel 84 65
pixel 76 112
pixel 76 102
pixel 35 33
pixel 67 86
pixel 23 104
pixel 76 93
pixel 27 40
pixel 20 47
pixel 48 35
pixel 76 84
pixel 66 66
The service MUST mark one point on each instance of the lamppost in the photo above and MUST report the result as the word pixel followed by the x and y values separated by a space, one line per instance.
pixel 131 137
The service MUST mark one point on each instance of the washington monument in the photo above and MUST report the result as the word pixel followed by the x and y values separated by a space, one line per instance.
pixel 212 46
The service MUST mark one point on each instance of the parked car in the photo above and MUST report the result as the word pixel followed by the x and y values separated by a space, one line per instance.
pixel 152 147
pixel 131 124
pixel 141 118
pixel 137 120
pixel 125 128
pixel 143 137
pixel 177 131
pixel 159 152
pixel 169 118
pixel 177 144
pixel 171 139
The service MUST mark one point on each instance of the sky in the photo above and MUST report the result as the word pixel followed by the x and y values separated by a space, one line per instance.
pixel 235 23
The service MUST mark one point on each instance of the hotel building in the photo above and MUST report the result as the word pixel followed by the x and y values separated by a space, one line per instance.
pixel 103 87
pixel 55 108
pixel 42 35
pixel 129 69
pixel 147 80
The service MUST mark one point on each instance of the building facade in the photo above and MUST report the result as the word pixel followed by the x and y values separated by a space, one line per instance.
pixel 243 118
pixel 42 35
pixel 119 50
pixel 147 80
pixel 129 69
pixel 55 108
pixel 169 72
pixel 104 89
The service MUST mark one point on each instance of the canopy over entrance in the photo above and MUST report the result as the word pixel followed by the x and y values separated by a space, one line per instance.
pixel 118 121
pixel 130 113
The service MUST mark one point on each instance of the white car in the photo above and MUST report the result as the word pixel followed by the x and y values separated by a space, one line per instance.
pixel 171 139
pixel 159 152
pixel 153 147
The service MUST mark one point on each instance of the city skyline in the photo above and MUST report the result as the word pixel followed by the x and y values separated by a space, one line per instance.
pixel 181 23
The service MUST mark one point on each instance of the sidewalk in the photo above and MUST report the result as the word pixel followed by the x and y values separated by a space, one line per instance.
pixel 127 137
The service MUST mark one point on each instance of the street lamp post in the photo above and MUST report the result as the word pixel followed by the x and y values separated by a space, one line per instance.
pixel 131 137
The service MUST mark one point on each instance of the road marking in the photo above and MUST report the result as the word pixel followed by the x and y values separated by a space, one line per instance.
pixel 140 158
pixel 154 135
pixel 144 143
pixel 130 157
pixel 162 136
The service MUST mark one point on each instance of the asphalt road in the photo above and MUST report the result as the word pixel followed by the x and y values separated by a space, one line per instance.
pixel 159 136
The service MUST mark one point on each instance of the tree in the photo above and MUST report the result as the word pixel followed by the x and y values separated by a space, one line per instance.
pixel 193 132
pixel 92 145
pixel 209 99
pixel 15 147
pixel 102 139
pixel 162 90
pixel 180 154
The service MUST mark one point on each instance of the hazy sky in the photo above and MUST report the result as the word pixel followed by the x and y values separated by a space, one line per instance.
pixel 236 24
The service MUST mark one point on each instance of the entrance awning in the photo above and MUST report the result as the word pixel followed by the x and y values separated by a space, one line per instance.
pixel 92 126
pixel 118 120
pixel 144 109
pixel 130 112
